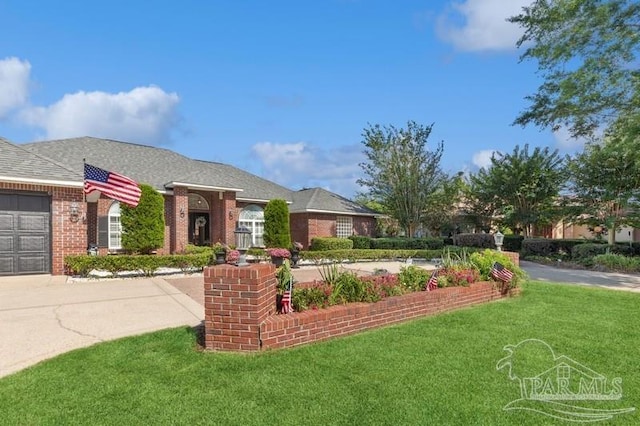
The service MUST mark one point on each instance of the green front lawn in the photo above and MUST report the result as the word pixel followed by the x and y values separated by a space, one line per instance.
pixel 439 370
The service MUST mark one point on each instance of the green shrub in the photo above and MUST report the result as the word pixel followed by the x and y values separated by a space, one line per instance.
pixel 617 262
pixel 408 243
pixel 354 255
pixel 413 278
pixel 143 225
pixel 474 240
pixel 361 241
pixel 193 249
pixel 512 243
pixel 331 243
pixel 277 233
pixel 582 251
pixel 538 247
pixel 485 259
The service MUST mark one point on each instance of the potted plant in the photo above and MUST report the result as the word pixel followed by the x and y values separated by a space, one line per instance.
pixel 295 254
pixel 278 255
pixel 220 253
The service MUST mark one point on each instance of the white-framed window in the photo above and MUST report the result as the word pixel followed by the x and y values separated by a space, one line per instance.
pixel 252 217
pixel 344 226
pixel 115 227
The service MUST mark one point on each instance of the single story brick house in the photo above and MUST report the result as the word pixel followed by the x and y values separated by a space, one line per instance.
pixel 44 215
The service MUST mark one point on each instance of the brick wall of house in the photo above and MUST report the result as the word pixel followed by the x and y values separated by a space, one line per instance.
pixel 228 222
pixel 364 225
pixel 306 226
pixel 179 219
pixel 67 237
pixel 240 305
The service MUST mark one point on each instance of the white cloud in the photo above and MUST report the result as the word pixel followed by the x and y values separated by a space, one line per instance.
pixel 14 84
pixel 483 158
pixel 144 115
pixel 477 25
pixel 300 164
pixel 566 142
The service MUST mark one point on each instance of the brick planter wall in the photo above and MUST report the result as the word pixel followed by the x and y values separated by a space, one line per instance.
pixel 240 304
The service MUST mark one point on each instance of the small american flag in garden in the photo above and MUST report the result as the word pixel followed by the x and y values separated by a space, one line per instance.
pixel 432 284
pixel 111 184
pixel 286 305
pixel 499 272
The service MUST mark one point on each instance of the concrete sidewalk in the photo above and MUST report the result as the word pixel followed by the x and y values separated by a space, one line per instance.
pixel 42 316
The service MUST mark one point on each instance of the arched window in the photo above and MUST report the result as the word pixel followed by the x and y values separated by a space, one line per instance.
pixel 252 217
pixel 197 202
pixel 115 227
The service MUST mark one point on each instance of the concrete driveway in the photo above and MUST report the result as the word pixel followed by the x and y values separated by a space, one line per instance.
pixel 42 316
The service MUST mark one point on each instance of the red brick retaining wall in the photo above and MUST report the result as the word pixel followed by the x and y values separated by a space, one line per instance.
pixel 279 331
pixel 240 304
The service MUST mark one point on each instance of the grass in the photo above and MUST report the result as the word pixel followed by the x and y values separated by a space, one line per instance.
pixel 438 370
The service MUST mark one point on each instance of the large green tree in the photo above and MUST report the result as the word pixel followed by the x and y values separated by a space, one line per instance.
pixel 522 186
pixel 143 225
pixel 605 183
pixel 587 52
pixel 400 172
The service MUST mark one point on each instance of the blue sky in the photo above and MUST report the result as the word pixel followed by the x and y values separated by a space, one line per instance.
pixel 281 88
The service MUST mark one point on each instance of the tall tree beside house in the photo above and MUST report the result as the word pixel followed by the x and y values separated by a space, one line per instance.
pixel 523 187
pixel 277 232
pixel 143 225
pixel 443 206
pixel 586 52
pixel 605 183
pixel 401 173
pixel 478 207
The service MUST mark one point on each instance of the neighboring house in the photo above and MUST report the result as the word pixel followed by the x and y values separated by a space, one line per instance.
pixel 204 202
pixel 569 230
pixel 318 212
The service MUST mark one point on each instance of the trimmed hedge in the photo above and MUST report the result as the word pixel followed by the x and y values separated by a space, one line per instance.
pixel 147 264
pixel 361 241
pixel 377 254
pixel 474 240
pixel 330 243
pixel 512 243
pixel 408 243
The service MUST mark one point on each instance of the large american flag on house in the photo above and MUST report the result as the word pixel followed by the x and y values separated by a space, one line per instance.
pixel 111 184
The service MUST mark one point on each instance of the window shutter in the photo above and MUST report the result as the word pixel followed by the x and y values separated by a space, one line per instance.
pixel 103 231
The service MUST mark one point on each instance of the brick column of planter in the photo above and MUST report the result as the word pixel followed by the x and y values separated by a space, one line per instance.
pixel 236 301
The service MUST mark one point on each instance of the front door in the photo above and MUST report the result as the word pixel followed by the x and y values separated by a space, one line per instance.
pixel 199 227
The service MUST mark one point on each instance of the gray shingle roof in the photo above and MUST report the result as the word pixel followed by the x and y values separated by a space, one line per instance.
pixel 158 167
pixel 321 200
pixel 18 163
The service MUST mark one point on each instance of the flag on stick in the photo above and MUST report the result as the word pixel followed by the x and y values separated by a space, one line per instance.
pixel 287 306
pixel 499 272
pixel 111 184
pixel 432 284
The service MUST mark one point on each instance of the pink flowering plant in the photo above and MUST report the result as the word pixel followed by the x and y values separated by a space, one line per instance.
pixel 232 256
pixel 279 252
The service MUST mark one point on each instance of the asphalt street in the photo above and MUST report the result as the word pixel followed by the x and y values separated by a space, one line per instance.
pixel 610 280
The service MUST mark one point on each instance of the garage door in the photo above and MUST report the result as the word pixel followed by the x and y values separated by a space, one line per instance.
pixel 25 234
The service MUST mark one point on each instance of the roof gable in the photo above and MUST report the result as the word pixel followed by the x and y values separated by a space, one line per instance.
pixel 322 201
pixel 19 164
